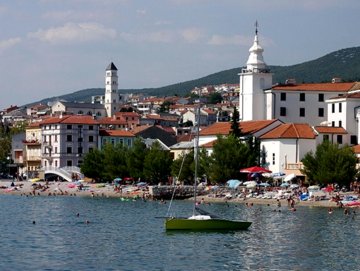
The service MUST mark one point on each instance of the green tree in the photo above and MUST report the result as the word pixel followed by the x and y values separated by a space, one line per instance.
pixel 215 98
pixel 114 161
pixel 165 106
pixel 330 164
pixel 157 164
pixel 235 129
pixel 92 165
pixel 229 155
pixel 183 167
pixel 135 159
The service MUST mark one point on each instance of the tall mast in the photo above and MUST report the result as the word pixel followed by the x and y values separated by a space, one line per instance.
pixel 196 151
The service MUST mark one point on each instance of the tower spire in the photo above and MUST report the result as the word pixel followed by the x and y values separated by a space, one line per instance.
pixel 256 27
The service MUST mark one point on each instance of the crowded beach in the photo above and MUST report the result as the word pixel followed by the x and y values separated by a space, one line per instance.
pixel 241 192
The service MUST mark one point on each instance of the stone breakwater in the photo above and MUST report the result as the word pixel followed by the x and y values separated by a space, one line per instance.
pixel 180 192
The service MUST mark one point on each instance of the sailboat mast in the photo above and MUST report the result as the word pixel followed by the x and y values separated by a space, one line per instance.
pixel 196 152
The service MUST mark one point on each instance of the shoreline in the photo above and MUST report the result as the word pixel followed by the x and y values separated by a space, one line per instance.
pixel 26 188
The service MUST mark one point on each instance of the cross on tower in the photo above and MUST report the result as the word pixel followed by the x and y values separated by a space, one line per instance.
pixel 256 27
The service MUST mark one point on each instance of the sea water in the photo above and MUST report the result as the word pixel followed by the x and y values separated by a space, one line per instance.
pixel 51 233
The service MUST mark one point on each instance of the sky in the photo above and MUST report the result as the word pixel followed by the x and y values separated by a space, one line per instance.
pixel 55 47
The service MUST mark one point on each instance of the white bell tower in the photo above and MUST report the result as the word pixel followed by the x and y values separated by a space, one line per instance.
pixel 254 80
pixel 111 88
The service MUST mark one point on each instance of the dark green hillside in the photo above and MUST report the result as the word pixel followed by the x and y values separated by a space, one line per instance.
pixel 344 63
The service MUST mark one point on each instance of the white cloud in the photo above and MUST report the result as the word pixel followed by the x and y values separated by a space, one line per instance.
pixel 232 40
pixel 141 11
pixel 74 33
pixel 192 34
pixel 6 44
pixel 155 37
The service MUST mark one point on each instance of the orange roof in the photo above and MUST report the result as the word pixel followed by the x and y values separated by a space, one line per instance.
pixel 356 149
pixel 291 130
pixel 127 114
pixel 209 144
pixel 330 130
pixel 112 121
pixel 70 119
pixel 328 87
pixel 140 128
pixel 118 133
pixel 247 127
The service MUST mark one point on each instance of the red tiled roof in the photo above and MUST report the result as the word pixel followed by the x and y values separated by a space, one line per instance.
pixel 127 114
pixel 118 133
pixel 140 128
pixel 184 138
pixel 247 127
pixel 328 87
pixel 209 144
pixel 70 119
pixel 291 130
pixel 330 130
pixel 112 121
pixel 356 149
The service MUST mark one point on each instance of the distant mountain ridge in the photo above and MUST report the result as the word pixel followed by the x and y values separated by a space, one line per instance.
pixel 344 63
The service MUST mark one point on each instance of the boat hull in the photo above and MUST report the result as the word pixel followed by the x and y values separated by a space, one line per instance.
pixel 203 225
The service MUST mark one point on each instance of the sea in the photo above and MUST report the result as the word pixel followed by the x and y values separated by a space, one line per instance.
pixel 51 233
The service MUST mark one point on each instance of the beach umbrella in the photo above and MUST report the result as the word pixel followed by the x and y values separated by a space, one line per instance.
pixel 233 183
pixel 264 184
pixel 250 184
pixel 284 185
pixel 255 169
pixel 293 186
pixel 289 177
pixel 277 174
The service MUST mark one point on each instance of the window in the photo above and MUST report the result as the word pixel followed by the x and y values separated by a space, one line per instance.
pixel 80 150
pixel 353 140
pixel 69 163
pixel 332 108
pixel 282 96
pixel 80 139
pixel 90 149
pixel 339 139
pixel 282 111
pixel 340 107
pixel 333 124
pixel 91 127
pixel 80 112
pixel 302 112
pixel 321 112
pixel 69 127
pixel 56 150
pixel 56 138
pixel 302 97
pixel 91 139
pixel 273 158
pixel 325 137
pixel 56 163
pixel 340 123
pixel 80 126
pixel 321 97
pixel 69 150
pixel 69 138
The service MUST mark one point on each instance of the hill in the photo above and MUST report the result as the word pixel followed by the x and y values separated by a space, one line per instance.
pixel 343 63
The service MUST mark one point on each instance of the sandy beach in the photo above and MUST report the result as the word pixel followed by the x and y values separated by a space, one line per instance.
pixel 27 188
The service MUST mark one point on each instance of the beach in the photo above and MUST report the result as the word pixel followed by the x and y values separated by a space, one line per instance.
pixel 27 188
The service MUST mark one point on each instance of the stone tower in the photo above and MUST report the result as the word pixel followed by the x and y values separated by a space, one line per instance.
pixel 111 88
pixel 254 80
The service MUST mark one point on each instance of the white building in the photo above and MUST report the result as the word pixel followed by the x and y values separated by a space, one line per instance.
pixel 254 79
pixel 65 139
pixel 286 145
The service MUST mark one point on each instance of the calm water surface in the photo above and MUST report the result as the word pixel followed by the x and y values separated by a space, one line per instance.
pixel 127 236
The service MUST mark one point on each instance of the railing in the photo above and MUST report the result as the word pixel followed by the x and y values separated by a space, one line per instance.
pixel 294 166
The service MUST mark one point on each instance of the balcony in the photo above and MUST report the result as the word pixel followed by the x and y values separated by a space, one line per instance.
pixel 31 142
